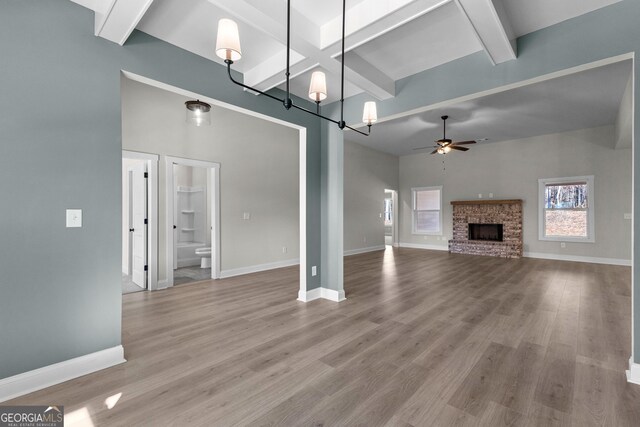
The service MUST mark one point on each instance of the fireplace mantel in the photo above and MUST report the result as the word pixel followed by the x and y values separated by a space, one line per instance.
pixel 508 213
pixel 487 202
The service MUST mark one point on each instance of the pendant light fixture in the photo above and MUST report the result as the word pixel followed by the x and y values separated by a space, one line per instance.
pixel 228 49
pixel 198 113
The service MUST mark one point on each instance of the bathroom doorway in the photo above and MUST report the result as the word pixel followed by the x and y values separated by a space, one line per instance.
pixel 390 218
pixel 192 212
pixel 137 169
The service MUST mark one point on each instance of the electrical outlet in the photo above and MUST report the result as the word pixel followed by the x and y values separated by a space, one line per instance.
pixel 563 245
pixel 284 249
pixel 491 195
pixel 314 270
pixel 627 216
pixel 364 239
pixel 74 218
pixel 479 195
pixel 246 216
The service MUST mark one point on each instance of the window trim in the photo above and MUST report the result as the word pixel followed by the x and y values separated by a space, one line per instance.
pixel 542 183
pixel 414 190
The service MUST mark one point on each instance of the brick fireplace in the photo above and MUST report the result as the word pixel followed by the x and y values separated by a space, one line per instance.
pixel 487 227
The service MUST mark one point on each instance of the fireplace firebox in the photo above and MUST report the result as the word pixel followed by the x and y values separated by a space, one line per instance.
pixel 486 232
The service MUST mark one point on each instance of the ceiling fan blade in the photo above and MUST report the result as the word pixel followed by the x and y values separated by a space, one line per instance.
pixel 463 143
pixel 434 151
pixel 453 147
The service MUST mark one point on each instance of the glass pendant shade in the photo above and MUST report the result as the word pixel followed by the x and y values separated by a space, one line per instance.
pixel 228 42
pixel 370 113
pixel 198 113
pixel 447 149
pixel 440 150
pixel 318 86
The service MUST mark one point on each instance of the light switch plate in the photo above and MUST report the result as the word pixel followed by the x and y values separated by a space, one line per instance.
pixel 314 270
pixel 74 218
pixel 246 215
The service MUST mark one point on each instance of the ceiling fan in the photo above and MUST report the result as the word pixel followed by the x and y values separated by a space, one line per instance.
pixel 445 145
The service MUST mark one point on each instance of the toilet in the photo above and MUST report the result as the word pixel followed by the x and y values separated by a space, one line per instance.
pixel 205 253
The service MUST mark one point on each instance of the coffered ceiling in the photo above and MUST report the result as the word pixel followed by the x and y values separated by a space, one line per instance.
pixel 386 40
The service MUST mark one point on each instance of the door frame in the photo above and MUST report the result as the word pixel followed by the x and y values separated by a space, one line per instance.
pixel 395 240
pixel 152 213
pixel 214 196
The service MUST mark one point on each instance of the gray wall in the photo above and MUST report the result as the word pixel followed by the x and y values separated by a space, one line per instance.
pixel 511 169
pixel 367 173
pixel 60 122
pixel 259 171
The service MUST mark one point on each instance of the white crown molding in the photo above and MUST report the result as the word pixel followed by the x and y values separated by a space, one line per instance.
pixel 57 373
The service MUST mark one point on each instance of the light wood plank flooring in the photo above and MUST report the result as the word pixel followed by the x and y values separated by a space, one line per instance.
pixel 424 339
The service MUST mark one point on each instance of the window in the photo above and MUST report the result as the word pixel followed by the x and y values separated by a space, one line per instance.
pixel 427 210
pixel 566 209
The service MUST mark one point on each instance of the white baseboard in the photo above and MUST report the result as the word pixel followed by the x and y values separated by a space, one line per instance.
pixel 633 374
pixel 57 373
pixel 577 258
pixel 257 268
pixel 364 250
pixel 422 246
pixel 163 284
pixel 313 294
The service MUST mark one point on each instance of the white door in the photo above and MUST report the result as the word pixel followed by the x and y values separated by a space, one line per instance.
pixel 138 226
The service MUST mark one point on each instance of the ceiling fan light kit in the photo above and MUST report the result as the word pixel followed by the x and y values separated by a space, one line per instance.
pixel 445 145
pixel 228 48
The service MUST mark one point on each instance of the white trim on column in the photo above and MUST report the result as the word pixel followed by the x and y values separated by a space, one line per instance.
pixel 324 293
pixel 633 373
pixel 57 373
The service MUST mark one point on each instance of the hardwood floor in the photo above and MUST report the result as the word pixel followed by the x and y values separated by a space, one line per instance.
pixel 424 339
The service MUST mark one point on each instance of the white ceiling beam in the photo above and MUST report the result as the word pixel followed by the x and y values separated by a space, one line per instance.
pixel 492 27
pixel 115 20
pixel 305 42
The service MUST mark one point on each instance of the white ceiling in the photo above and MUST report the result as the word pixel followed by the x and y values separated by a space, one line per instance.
pixel 582 100
pixel 386 40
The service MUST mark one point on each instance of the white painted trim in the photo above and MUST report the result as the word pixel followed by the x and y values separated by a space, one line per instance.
pixel 303 210
pixel 163 284
pixel 421 246
pixel 364 250
pixel 633 373
pixel 57 373
pixel 332 295
pixel 152 214
pixel 578 258
pixel 306 296
pixel 324 293
pixel 257 268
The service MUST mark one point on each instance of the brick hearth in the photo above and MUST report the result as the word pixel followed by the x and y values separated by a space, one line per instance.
pixel 505 212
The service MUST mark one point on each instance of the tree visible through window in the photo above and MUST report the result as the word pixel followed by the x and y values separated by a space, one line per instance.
pixel 566 209
pixel 388 211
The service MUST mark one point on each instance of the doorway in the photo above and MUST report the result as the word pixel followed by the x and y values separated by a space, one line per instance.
pixel 139 172
pixel 390 218
pixel 193 244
